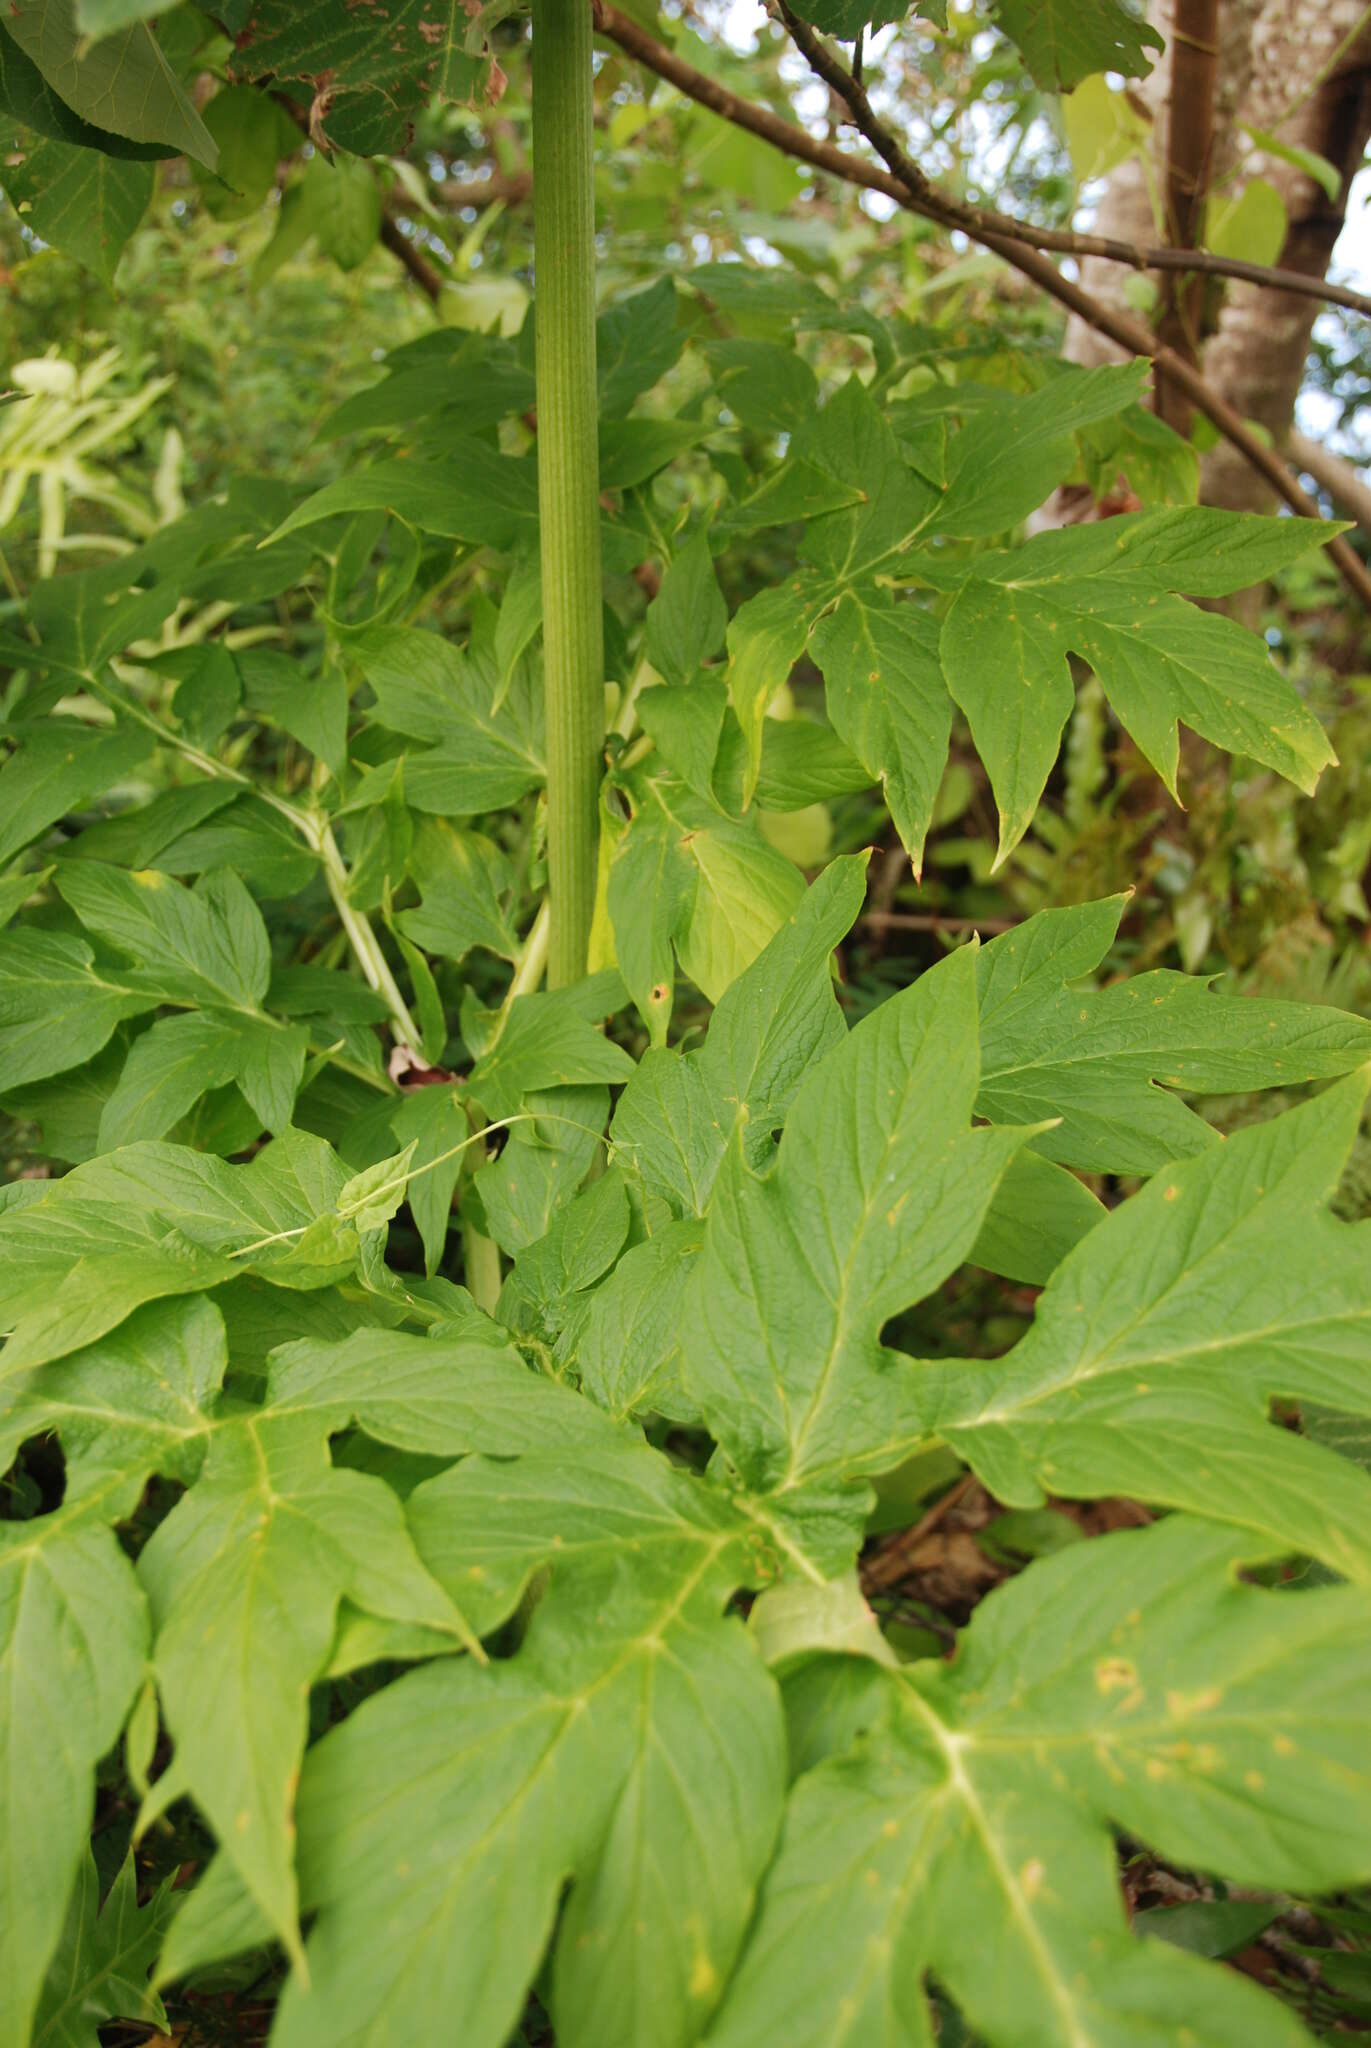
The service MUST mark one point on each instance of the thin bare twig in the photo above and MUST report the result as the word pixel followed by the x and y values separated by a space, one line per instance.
pixel 394 238
pixel 889 1566
pixel 934 921
pixel 512 187
pixel 1333 473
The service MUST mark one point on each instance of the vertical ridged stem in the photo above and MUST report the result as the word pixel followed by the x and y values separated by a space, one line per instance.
pixel 568 470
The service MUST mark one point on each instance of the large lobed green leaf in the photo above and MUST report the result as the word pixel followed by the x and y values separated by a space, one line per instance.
pixel 1106 592
pixel 634 1745
pixel 1103 592
pixel 878 1192
pixel 1162 1339
pixel 1130 1683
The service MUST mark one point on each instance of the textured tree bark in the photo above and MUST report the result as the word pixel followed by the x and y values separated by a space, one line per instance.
pixel 1258 353
pixel 1300 69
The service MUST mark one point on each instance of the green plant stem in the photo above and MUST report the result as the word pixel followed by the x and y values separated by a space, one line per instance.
pixel 530 966
pixel 568 470
pixel 481 1268
pixel 480 1256
pixel 364 942
pixel 317 835
pixel 626 717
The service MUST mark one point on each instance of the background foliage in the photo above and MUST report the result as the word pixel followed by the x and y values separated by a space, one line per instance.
pixel 475 1519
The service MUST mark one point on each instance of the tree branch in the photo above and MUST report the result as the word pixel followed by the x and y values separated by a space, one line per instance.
pixel 394 238
pixel 910 189
pixel 926 199
pixel 1334 474
pixel 511 186
pixel 1189 138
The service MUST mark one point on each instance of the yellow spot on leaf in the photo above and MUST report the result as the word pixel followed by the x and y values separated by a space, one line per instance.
pixel 704 1978
pixel 1181 1705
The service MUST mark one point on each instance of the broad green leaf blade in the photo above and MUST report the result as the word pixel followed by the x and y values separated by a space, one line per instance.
pixel 135 1403
pixel 584 1240
pixel 1198 550
pixel 122 82
pixel 1010 676
pixel 429 690
pixel 218 1919
pixel 805 763
pixel 847 18
pixel 26 94
pixel 685 721
pixel 1004 463
pixel 312 708
pixel 269 1068
pixel 73 1638
pixel 103 17
pixel 655 1723
pixel 651 882
pixel 744 890
pixel 59 765
pixel 464 880
pixel 205 945
pixel 267 1543
pixel 435 1122
pixel 101 1968
pixel 1161 662
pixel 887 698
pixel 637 339
pixel 545 1044
pixel 629 1351
pixel 851 448
pixel 1064 41
pixel 447 1396
pixel 384 62
pixel 1094 1059
pixel 801 1269
pixel 475 495
pixel 57 1008
pixel 766 637
pixel 1162 1339
pixel 851 441
pixel 1129 1682
pixel 543 1163
pixel 170 1067
pixel 155 1220
pixel 1038 1213
pixel 678 1114
pixel 687 619
pixel 15 891
pixel 486 373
